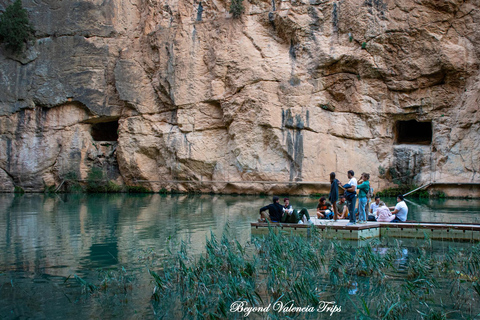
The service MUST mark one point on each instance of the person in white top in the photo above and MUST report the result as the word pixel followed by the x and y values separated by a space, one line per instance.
pixel 374 206
pixel 400 210
pixel 351 203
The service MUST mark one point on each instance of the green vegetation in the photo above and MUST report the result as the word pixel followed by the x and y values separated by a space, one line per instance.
pixel 50 189
pixel 18 190
pixel 281 268
pixel 381 280
pixel 404 184
pixel 95 181
pixel 71 183
pixel 237 8
pixel 364 45
pixel 15 28
pixel 402 189
pixel 138 189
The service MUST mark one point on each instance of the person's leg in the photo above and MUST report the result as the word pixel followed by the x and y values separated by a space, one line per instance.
pixel 265 215
pixel 361 208
pixel 304 213
pixel 335 212
pixel 293 218
pixel 345 212
pixel 351 209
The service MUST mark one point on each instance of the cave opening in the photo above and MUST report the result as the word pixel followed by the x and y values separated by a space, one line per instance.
pixel 105 131
pixel 413 132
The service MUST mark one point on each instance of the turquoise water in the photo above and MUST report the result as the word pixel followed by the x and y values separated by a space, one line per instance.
pixel 45 240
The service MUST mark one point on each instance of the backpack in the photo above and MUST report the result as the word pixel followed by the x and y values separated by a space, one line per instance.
pixel 370 193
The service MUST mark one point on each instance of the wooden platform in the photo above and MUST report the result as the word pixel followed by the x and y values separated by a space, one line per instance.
pixel 339 230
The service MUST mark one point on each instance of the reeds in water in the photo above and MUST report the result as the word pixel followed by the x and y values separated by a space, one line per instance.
pixel 374 281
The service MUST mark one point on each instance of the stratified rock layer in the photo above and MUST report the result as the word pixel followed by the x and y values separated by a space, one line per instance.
pixel 288 93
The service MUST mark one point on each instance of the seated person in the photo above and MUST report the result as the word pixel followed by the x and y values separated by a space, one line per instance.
pixel 342 208
pixel 383 214
pixel 275 212
pixel 400 210
pixel 323 209
pixel 372 216
pixel 374 206
pixel 292 216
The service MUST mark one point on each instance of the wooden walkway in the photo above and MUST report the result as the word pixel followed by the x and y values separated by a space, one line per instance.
pixel 339 230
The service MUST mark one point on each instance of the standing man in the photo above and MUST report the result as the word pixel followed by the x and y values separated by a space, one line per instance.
pixel 352 198
pixel 333 196
pixel 275 211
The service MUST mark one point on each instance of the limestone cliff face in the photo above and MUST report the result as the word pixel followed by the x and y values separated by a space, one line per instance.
pixel 290 92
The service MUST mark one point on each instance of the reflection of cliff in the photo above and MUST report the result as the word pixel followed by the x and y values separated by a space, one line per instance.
pixel 162 91
pixel 74 232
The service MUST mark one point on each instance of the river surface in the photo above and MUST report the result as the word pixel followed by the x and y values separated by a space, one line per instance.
pixel 47 240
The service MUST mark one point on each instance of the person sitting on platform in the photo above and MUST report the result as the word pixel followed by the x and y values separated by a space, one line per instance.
pixel 275 212
pixel 374 206
pixel 342 208
pixel 292 216
pixel 372 213
pixel 323 209
pixel 400 210
pixel 383 213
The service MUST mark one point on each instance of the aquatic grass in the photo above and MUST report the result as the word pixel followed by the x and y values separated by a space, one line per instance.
pixel 206 287
pixel 378 280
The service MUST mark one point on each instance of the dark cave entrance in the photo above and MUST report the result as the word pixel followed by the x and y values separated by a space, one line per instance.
pixel 105 131
pixel 413 132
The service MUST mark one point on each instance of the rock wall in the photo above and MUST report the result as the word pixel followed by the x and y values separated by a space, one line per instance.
pixel 288 93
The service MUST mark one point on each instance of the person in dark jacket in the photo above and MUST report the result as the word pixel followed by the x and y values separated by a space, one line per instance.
pixel 333 196
pixel 275 211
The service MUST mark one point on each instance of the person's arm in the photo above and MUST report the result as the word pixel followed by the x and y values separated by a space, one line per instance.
pixel 363 187
pixel 263 209
pixel 352 189
pixel 289 211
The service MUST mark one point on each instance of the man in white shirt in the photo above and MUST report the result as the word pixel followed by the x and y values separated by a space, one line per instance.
pixel 400 210
pixel 353 200
pixel 374 206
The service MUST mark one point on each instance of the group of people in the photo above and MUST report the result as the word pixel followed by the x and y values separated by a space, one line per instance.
pixel 343 205
pixel 285 213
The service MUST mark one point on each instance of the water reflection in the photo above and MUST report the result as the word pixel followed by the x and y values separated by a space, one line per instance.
pixel 44 239
pixel 91 231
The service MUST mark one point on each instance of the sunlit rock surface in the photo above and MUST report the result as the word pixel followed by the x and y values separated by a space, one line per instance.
pixel 290 92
